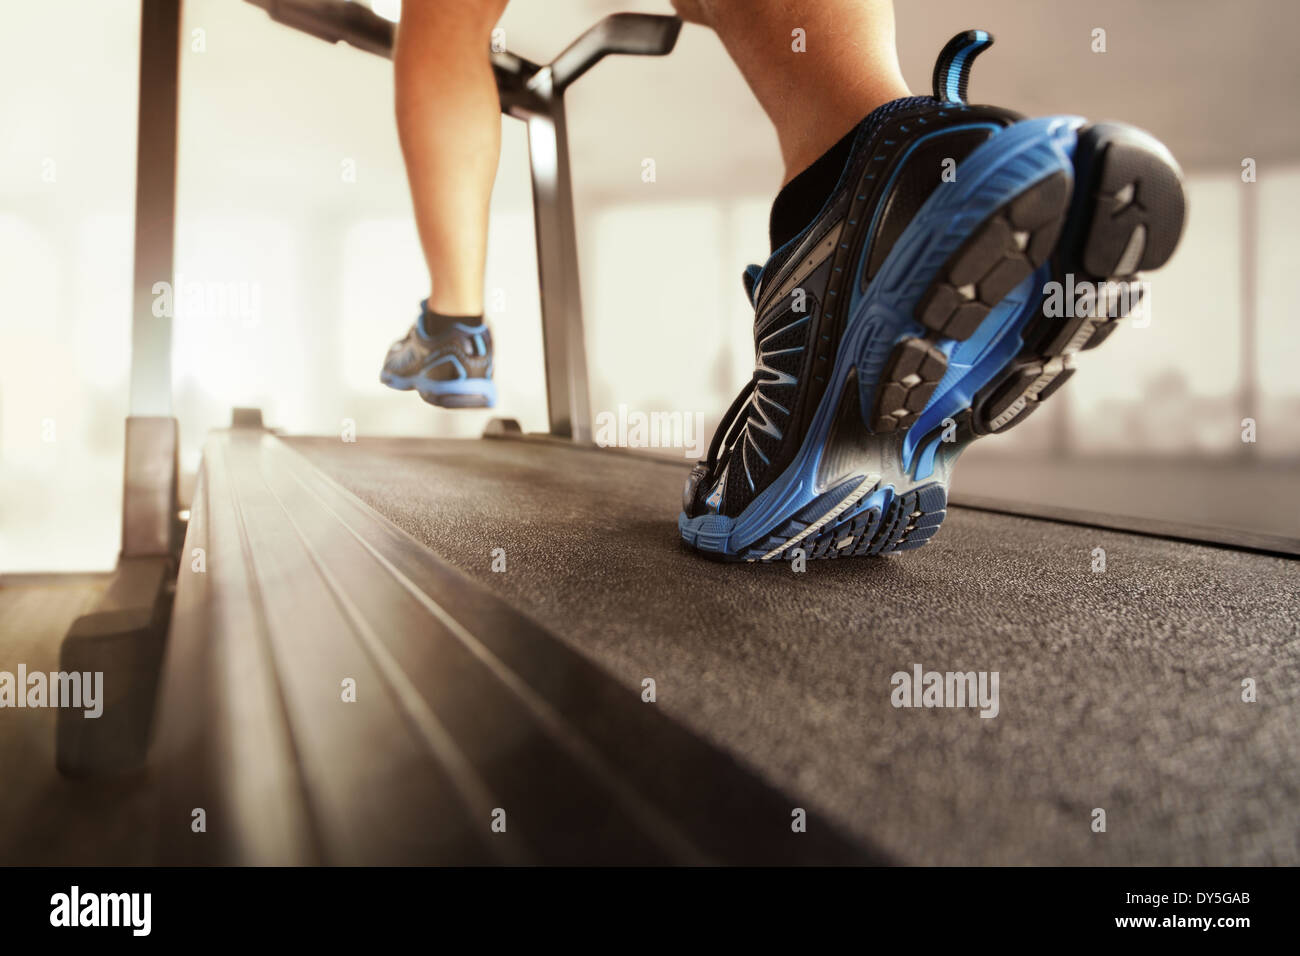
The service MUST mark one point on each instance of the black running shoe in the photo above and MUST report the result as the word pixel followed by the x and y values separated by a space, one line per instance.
pixel 452 369
pixel 915 314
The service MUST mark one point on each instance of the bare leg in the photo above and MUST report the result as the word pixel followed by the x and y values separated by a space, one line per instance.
pixel 449 122
pixel 813 98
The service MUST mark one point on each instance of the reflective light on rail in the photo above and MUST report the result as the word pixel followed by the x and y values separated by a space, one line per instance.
pixel 388 9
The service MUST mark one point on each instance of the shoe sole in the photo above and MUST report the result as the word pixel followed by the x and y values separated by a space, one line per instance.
pixel 958 345
pixel 456 393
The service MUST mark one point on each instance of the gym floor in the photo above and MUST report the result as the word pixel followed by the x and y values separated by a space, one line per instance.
pixel 47 819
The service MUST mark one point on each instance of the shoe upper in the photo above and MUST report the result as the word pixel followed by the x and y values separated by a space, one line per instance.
pixel 461 351
pixel 802 296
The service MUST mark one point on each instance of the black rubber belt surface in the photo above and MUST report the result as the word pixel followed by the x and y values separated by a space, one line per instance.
pixel 1119 690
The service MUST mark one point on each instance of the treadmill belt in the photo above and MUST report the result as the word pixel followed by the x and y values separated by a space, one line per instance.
pixel 1119 690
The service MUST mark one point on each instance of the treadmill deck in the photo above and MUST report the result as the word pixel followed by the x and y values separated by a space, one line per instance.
pixel 1118 690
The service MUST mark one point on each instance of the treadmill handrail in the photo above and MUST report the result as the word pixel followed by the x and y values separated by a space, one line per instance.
pixel 630 34
pixel 335 21
pixel 342 21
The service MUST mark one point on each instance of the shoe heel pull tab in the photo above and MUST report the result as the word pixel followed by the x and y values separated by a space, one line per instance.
pixel 952 69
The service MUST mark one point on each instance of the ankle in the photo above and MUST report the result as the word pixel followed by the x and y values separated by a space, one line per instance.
pixel 808 190
pixel 433 323
pixel 451 302
pixel 801 147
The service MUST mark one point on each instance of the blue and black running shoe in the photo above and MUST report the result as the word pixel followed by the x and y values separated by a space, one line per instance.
pixel 913 315
pixel 451 368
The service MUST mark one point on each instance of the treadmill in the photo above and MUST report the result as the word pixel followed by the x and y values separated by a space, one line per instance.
pixel 498 651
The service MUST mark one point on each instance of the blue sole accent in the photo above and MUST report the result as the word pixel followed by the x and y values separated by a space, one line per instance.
pixel 456 393
pixel 1006 165
pixel 971 365
pixel 885 522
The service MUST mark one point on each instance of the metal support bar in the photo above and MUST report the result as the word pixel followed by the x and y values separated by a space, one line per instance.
pixel 124 637
pixel 563 339
pixel 155 205
pixel 149 501
pixel 150 487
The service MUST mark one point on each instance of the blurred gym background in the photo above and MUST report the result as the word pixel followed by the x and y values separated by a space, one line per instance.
pixel 293 202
